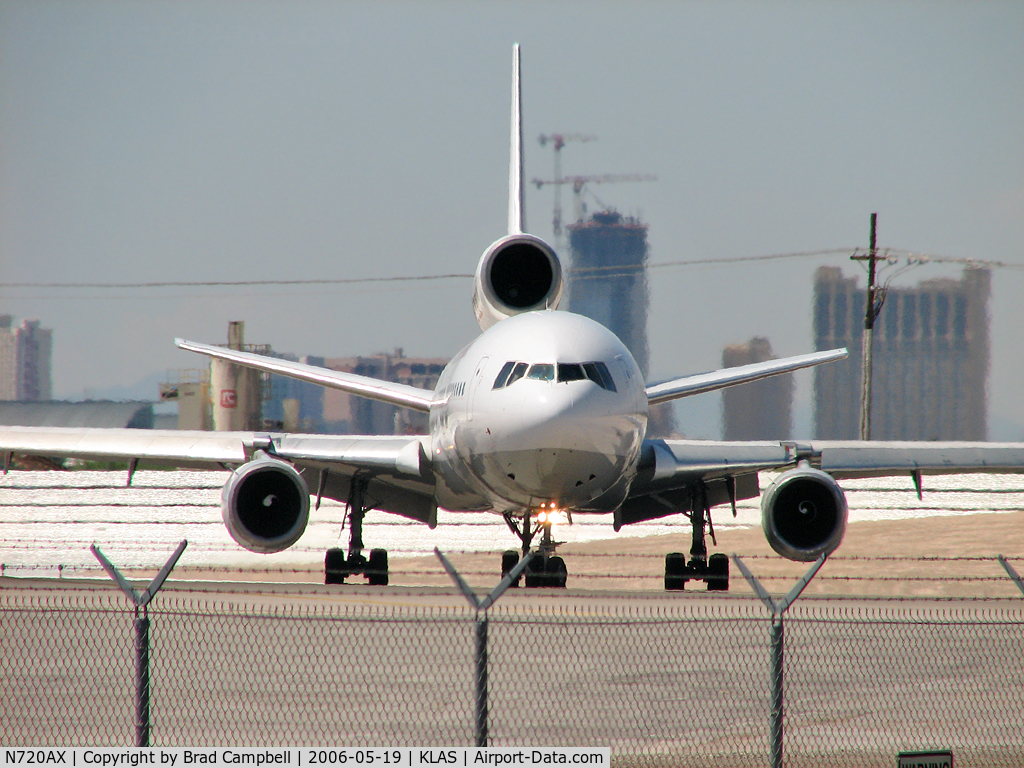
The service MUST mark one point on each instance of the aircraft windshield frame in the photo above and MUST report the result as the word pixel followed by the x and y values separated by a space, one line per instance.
pixel 592 370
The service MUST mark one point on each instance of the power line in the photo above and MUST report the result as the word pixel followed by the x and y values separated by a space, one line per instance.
pixel 237 283
pixel 913 257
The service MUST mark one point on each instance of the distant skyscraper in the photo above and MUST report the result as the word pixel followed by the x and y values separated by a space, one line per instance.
pixel 25 360
pixel 930 351
pixel 761 410
pixel 608 281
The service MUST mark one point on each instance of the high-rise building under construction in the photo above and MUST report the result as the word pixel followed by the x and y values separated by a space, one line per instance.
pixel 608 279
pixel 608 283
pixel 930 358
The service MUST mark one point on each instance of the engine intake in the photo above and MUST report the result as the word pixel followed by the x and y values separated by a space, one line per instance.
pixel 803 514
pixel 519 273
pixel 265 504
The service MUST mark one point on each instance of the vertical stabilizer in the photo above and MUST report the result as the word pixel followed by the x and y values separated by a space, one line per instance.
pixel 515 163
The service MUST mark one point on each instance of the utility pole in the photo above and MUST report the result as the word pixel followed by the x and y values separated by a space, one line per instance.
pixel 871 311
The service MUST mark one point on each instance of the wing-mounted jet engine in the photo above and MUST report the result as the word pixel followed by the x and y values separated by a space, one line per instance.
pixel 803 514
pixel 265 505
pixel 518 273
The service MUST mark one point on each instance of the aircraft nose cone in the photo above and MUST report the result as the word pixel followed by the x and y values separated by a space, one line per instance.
pixel 560 446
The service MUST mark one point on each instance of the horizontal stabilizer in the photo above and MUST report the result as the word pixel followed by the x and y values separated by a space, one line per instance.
pixel 364 386
pixel 743 374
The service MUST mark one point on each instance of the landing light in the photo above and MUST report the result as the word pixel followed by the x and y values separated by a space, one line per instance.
pixel 552 515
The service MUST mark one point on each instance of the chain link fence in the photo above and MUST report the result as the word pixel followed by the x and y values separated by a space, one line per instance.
pixel 662 682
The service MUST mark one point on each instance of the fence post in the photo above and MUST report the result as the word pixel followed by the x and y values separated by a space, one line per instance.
pixel 481 606
pixel 1012 573
pixel 778 609
pixel 481 679
pixel 140 600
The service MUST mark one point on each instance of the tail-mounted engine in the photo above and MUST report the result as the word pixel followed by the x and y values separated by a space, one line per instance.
pixel 517 274
pixel 265 504
pixel 804 513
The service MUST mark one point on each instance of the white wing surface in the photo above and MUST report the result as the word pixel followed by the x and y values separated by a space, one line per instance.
pixel 365 386
pixel 742 374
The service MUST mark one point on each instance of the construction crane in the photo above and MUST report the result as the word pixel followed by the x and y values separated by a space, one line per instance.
pixel 558 141
pixel 578 182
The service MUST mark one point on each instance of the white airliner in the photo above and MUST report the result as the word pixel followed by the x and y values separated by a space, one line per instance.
pixel 543 414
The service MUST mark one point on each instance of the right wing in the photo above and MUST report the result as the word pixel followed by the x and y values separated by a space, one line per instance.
pixel 365 386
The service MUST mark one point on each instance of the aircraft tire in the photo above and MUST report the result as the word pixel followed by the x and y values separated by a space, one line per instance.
pixel 377 568
pixel 509 560
pixel 334 566
pixel 556 572
pixel 675 567
pixel 718 573
pixel 535 574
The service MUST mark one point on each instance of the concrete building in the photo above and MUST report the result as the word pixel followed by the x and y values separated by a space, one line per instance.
pixel 90 413
pixel 26 354
pixel 761 410
pixel 931 358
pixel 348 414
pixel 190 389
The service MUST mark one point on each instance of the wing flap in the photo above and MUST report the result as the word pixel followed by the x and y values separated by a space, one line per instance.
pixel 354 384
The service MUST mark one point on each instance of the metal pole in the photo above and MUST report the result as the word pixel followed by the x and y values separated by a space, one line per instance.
pixel 778 644
pixel 142 681
pixel 481 679
pixel 867 342
pixel 141 600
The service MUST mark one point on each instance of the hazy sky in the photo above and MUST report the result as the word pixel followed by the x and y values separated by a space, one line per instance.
pixel 199 140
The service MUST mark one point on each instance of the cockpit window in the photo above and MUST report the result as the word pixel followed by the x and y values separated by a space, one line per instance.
pixel 599 374
pixel 502 379
pixel 596 372
pixel 541 371
pixel 517 373
pixel 570 372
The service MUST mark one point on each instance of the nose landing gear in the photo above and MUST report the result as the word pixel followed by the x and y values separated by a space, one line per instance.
pixel 546 569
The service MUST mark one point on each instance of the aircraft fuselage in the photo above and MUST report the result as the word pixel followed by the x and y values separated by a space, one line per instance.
pixel 543 409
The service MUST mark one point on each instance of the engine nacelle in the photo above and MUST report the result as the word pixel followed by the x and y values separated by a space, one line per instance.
pixel 803 514
pixel 519 273
pixel 265 504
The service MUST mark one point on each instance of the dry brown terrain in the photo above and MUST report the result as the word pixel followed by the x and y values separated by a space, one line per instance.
pixel 877 558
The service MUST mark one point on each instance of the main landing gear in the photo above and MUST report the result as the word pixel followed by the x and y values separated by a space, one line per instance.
pixel 338 565
pixel 546 569
pixel 713 570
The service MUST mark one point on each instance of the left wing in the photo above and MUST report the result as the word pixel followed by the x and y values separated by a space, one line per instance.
pixel 742 374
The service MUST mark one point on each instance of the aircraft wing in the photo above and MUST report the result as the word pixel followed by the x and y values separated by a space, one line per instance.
pixel 365 386
pixel 400 479
pixel 742 374
pixel 670 470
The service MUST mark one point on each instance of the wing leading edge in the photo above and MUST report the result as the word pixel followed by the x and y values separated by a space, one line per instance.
pixel 354 384
pixel 742 374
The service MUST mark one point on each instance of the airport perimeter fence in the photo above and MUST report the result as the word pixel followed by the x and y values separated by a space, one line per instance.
pixel 681 682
